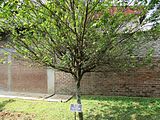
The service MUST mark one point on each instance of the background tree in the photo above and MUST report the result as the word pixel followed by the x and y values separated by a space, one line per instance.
pixel 74 36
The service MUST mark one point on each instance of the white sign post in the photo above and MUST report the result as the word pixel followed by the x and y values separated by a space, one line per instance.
pixel 75 108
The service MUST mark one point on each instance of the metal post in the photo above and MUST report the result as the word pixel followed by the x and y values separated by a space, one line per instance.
pixel 74 115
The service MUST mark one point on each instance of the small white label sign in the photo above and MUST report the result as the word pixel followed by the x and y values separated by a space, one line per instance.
pixel 76 108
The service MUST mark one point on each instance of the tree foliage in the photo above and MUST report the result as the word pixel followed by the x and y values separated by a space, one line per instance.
pixel 74 36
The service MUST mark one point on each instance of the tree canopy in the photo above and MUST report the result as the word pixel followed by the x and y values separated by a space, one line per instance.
pixel 75 36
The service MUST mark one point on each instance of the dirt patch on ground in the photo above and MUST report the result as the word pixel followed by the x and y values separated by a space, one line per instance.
pixel 16 116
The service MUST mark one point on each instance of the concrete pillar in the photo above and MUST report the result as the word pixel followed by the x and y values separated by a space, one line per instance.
pixel 50 80
pixel 9 82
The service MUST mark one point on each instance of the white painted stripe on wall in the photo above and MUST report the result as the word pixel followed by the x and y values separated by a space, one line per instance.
pixel 50 80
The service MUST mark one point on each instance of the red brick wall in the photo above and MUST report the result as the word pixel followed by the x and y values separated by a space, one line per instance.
pixel 29 79
pixel 24 78
pixel 3 73
pixel 3 77
pixel 64 84
pixel 140 82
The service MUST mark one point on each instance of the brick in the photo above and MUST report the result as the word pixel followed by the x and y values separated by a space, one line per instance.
pixel 140 82
pixel 24 78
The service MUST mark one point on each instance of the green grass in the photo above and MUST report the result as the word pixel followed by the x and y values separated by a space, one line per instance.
pixel 95 108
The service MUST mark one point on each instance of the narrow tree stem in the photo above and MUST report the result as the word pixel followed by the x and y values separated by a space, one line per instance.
pixel 78 96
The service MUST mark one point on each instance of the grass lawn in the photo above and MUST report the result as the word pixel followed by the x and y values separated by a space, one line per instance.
pixel 95 108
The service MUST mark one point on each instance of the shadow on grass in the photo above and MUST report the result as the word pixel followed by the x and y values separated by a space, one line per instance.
pixel 3 103
pixel 123 108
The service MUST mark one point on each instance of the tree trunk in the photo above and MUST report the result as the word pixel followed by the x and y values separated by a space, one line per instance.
pixel 78 96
